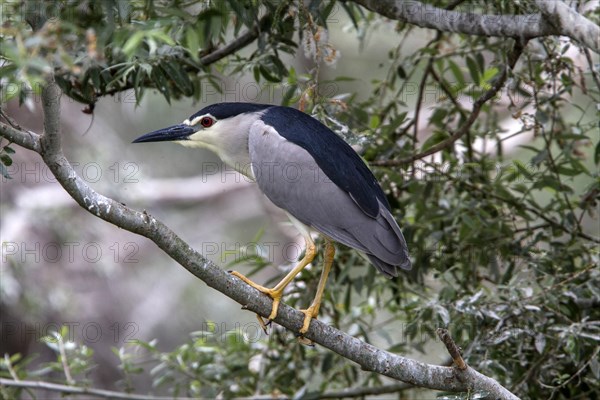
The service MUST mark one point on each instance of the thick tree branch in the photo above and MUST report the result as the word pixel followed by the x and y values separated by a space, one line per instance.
pixel 367 356
pixel 521 27
pixel 570 23
pixel 556 18
pixel 28 140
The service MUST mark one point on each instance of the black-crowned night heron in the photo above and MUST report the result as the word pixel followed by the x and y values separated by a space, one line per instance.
pixel 307 170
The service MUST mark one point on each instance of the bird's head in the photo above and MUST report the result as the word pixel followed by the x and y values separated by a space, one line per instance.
pixel 222 128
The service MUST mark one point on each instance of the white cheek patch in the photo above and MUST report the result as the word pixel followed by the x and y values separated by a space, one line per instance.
pixel 188 143
pixel 195 140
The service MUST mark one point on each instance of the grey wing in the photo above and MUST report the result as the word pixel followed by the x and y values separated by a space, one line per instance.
pixel 288 175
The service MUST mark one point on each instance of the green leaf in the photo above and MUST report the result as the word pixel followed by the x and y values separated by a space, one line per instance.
pixel 6 160
pixel 161 36
pixel 578 165
pixel 133 43
pixel 473 70
pixel 395 123
pixel 289 95
pixel 256 72
pixel 4 172
pixel 568 171
pixel 137 84
pixel 437 118
pixel 458 74
pixel 94 75
pixel 523 170
pixel 192 41
pixel 573 136
pixel 487 76
pixel 161 83
pixel 281 69
pixel 374 122
pixel 541 156
pixel 178 76
pixel 553 183
pixel 437 137
pixel 327 11
pixel 267 75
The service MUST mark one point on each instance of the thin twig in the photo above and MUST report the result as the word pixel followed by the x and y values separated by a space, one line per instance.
pixel 548 142
pixel 452 348
pixel 365 391
pixel 576 374
pixel 487 95
pixel 240 42
pixel 590 62
pixel 64 360
pixel 10 368
pixel 449 94
pixel 11 121
pixel 426 72
pixel 77 391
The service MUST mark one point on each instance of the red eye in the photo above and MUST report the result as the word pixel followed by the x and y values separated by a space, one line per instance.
pixel 207 122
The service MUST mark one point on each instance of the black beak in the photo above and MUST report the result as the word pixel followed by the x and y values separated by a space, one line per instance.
pixel 176 132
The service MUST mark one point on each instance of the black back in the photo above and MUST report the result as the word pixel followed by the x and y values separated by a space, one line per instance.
pixel 333 155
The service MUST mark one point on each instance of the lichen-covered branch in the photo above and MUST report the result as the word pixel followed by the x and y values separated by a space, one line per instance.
pixel 427 16
pixel 570 23
pixel 556 18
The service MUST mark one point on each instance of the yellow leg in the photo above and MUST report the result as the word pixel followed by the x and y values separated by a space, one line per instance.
pixel 276 292
pixel 312 311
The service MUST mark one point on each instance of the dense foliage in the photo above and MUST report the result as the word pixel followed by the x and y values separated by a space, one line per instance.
pixel 501 221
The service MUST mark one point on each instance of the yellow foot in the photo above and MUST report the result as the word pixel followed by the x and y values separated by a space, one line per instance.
pixel 262 324
pixel 305 341
pixel 310 313
pixel 272 293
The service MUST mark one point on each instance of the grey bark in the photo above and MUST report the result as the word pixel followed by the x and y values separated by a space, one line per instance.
pixel 556 18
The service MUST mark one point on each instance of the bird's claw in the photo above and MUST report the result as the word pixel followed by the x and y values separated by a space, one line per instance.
pixel 307 342
pixel 309 314
pixel 264 325
pixel 273 294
